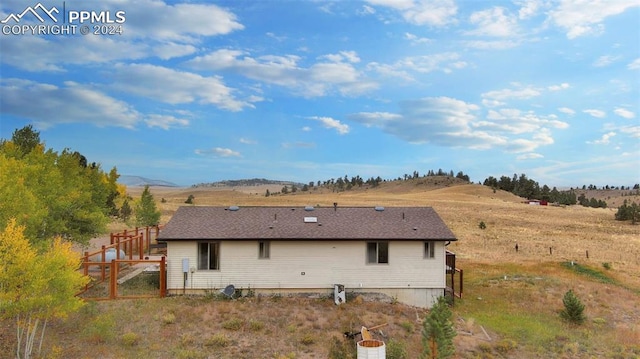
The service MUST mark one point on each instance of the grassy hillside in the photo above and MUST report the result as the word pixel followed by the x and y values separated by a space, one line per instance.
pixel 509 310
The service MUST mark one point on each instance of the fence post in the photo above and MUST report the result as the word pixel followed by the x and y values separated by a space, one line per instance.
pixel 85 264
pixel 163 278
pixel 113 282
pixel 461 281
pixel 103 259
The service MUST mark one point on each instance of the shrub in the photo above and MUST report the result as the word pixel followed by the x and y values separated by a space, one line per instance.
pixel 606 265
pixel 573 308
pixel 217 340
pixel 255 325
pixel 408 326
pixel 307 339
pixel 396 350
pixel 482 225
pixel 233 324
pixel 341 349
pixel 130 339
pixel 168 318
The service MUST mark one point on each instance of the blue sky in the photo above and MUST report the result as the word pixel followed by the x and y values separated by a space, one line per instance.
pixel 194 92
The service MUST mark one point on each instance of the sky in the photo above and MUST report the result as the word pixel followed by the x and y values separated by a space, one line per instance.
pixel 193 91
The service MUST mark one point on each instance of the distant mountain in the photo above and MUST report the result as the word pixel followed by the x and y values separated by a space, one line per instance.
pixel 246 182
pixel 142 181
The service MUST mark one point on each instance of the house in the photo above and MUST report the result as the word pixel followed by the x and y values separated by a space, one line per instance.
pixel 398 251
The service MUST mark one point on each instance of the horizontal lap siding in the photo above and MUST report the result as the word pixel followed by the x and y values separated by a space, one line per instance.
pixel 323 263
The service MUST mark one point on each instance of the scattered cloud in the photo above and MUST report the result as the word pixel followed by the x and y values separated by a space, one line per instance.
pixel 634 65
pixel 331 123
pixel 604 140
pixel 219 152
pixel 47 104
pixel 622 112
pixel 495 22
pixel 581 18
pixel 521 93
pixel 436 13
pixel 175 87
pixel 596 113
pixel 332 72
pixel 414 39
pixel 562 86
pixel 247 141
pixel 605 60
pixel 165 122
pixel 529 156
pixel 567 111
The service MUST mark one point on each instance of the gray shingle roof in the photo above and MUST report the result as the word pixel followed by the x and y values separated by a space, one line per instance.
pixel 289 223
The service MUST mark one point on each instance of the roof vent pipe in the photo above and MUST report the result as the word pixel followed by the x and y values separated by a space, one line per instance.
pixel 403 216
pixel 335 206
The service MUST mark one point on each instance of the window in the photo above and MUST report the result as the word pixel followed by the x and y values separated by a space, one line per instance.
pixel 378 252
pixel 208 256
pixel 264 250
pixel 429 249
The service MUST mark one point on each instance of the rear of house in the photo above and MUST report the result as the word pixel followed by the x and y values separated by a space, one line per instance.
pixel 398 251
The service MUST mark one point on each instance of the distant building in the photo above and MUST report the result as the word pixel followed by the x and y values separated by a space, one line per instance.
pixel 398 251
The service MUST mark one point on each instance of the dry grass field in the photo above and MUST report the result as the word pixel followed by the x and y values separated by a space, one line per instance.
pixel 509 309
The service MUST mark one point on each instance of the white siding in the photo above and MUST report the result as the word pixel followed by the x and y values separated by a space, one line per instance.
pixel 304 265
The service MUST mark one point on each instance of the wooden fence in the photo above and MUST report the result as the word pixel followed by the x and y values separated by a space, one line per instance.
pixel 113 268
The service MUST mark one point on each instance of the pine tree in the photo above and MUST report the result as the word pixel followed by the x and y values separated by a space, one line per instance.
pixel 146 212
pixel 573 308
pixel 438 332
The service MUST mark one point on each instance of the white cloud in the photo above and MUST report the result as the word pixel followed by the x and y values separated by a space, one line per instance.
pixel 528 8
pixel 529 156
pixel 604 140
pixel 580 18
pixel 493 22
pixel 331 123
pixel 567 111
pixel 445 62
pixel 622 112
pixel 522 93
pixel 633 131
pixel 219 152
pixel 414 39
pixel 321 78
pixel 423 12
pixel 562 86
pixel 180 22
pixel 175 87
pixel 165 122
pixel 596 113
pixel 634 65
pixel 247 141
pixel 605 60
pixel 47 105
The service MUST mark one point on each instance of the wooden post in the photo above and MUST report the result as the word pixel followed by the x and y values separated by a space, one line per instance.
pixel 550 251
pixel 113 282
pixel 461 281
pixel 103 259
pixel 587 254
pixel 140 247
pixel 163 278
pixel 85 264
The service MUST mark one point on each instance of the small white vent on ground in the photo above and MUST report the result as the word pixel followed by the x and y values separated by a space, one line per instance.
pixel 310 219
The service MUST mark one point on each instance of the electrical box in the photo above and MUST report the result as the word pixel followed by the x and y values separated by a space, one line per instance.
pixel 185 265
pixel 339 294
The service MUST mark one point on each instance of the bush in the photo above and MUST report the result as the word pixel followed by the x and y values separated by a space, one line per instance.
pixel 130 339
pixel 396 350
pixel 217 340
pixel 482 225
pixel 573 308
pixel 233 324
pixel 341 349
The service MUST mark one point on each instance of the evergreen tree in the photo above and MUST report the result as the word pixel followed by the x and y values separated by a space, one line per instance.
pixel 438 332
pixel 573 308
pixel 146 212
pixel 125 210
pixel 26 139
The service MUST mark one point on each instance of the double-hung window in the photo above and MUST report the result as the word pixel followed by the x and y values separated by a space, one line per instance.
pixel 264 250
pixel 377 252
pixel 208 255
pixel 429 249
